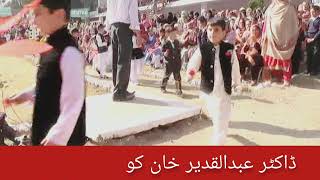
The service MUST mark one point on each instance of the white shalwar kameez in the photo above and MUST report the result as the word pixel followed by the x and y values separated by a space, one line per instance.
pixel 102 57
pixel 218 102
pixel 136 64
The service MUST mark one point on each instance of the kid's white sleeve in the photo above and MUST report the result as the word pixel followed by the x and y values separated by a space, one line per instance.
pixel 236 77
pixel 195 61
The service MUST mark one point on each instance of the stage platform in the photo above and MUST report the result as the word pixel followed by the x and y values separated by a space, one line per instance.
pixel 107 119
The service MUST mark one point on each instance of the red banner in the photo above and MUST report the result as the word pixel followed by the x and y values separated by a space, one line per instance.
pixel 73 163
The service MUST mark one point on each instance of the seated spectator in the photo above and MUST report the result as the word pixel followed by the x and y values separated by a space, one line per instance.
pixel 154 53
pixel 251 56
pixel 240 32
pixel 151 41
pixel 231 34
pixel 189 41
pixel 145 21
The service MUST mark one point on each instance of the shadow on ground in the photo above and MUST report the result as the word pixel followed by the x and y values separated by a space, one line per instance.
pixel 275 130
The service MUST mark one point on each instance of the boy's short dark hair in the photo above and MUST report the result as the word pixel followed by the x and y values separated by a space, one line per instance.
pixel 218 22
pixel 316 8
pixel 202 19
pixel 74 30
pixel 100 26
pixel 162 30
pixel 60 4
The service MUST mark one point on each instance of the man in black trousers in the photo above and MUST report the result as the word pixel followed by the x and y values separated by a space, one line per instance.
pixel 123 20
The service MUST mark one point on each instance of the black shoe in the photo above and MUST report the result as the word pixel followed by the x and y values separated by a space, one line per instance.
pixel 124 97
pixel 179 93
pixel 98 71
pixel 178 89
pixel 130 94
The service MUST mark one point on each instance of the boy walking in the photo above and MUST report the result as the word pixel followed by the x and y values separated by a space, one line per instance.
pixel 59 94
pixel 171 48
pixel 219 67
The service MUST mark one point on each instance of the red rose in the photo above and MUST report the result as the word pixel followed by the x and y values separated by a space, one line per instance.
pixel 228 54
pixel 192 72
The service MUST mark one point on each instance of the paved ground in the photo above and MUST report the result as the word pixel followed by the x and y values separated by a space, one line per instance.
pixel 269 116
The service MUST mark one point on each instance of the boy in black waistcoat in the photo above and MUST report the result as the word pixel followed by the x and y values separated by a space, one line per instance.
pixel 202 34
pixel 219 67
pixel 59 94
pixel 171 48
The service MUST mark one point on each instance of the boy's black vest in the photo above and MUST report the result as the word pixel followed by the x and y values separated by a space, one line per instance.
pixel 174 58
pixel 101 49
pixel 207 66
pixel 48 91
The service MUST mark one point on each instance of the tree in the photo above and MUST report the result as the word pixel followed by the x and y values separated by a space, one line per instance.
pixel 254 4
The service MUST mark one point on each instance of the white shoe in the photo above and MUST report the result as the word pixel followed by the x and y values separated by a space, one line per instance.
pixel 267 84
pixel 135 83
pixel 286 84
pixel 259 86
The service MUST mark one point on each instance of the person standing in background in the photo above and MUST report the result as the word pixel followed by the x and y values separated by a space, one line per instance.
pixel 278 45
pixel 313 42
pixel 123 21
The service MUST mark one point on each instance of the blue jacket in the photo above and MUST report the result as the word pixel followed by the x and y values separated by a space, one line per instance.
pixel 314 29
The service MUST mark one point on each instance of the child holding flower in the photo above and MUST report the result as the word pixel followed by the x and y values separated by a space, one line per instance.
pixel 219 68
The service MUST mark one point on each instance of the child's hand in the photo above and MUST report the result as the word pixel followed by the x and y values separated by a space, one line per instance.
pixel 189 78
pixel 167 53
pixel 8 102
